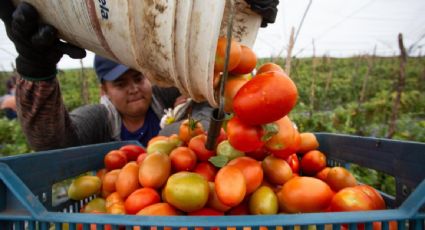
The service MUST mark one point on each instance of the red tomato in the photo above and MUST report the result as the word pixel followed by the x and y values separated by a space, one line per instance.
pixel 182 159
pixel 351 199
pixel 258 154
pixel 313 162
pixel 265 98
pixel 294 163
pixel 221 137
pixel 140 199
pixel 242 136
pixel 240 209
pixel 115 159
pixel 206 169
pixel 132 151
pixel 206 212
pixel 197 145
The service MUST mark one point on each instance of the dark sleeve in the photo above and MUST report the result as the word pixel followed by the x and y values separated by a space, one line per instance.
pixel 91 124
pixel 44 119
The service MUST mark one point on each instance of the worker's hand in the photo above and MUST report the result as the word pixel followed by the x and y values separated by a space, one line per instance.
pixel 266 8
pixel 38 46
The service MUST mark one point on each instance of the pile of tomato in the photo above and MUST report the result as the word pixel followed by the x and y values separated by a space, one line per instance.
pixel 261 164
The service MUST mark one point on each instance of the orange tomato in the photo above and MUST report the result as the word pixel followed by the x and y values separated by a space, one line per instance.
pixel 322 174
pixel 108 182
pixel 159 209
pixel 377 199
pixel 220 54
pixel 155 170
pixel 230 185
pixel 276 170
pixel 247 62
pixel 304 194
pixel 140 199
pixel 141 157
pixel 233 84
pixel 182 159
pixel 269 66
pixel 339 178
pixel 115 159
pixel 280 143
pixel 213 200
pixel 206 169
pixel 128 179
pixel 308 142
pixel 312 162
pixel 252 171
pixel 351 199
pixel 114 204
pixel 190 128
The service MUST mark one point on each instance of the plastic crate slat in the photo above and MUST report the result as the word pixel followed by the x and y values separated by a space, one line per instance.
pixel 20 191
pixel 415 201
pixel 251 220
pixel 404 160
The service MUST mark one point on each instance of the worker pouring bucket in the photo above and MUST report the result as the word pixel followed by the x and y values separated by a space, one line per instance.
pixel 172 42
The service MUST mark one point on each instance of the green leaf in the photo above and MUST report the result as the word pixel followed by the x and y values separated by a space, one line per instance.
pixel 219 161
pixel 270 130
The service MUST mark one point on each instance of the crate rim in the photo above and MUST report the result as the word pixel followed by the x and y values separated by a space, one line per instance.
pixel 409 209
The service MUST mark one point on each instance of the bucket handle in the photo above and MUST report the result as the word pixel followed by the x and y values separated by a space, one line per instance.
pixel 217 116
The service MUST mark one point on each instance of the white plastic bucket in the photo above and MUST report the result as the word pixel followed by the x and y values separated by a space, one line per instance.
pixel 172 42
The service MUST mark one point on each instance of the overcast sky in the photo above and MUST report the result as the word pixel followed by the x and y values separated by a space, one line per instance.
pixel 337 28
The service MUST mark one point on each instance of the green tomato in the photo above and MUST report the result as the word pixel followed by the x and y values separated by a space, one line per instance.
pixel 263 202
pixel 226 149
pixel 96 205
pixel 187 191
pixel 84 186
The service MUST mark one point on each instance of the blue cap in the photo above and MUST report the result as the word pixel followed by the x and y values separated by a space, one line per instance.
pixel 108 70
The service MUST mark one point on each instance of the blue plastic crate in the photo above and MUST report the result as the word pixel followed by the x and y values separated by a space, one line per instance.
pixel 26 189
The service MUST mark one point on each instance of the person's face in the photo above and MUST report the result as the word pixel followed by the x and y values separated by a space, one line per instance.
pixel 131 93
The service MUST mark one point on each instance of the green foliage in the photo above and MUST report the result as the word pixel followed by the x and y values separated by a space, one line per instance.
pixel 12 140
pixel 71 86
